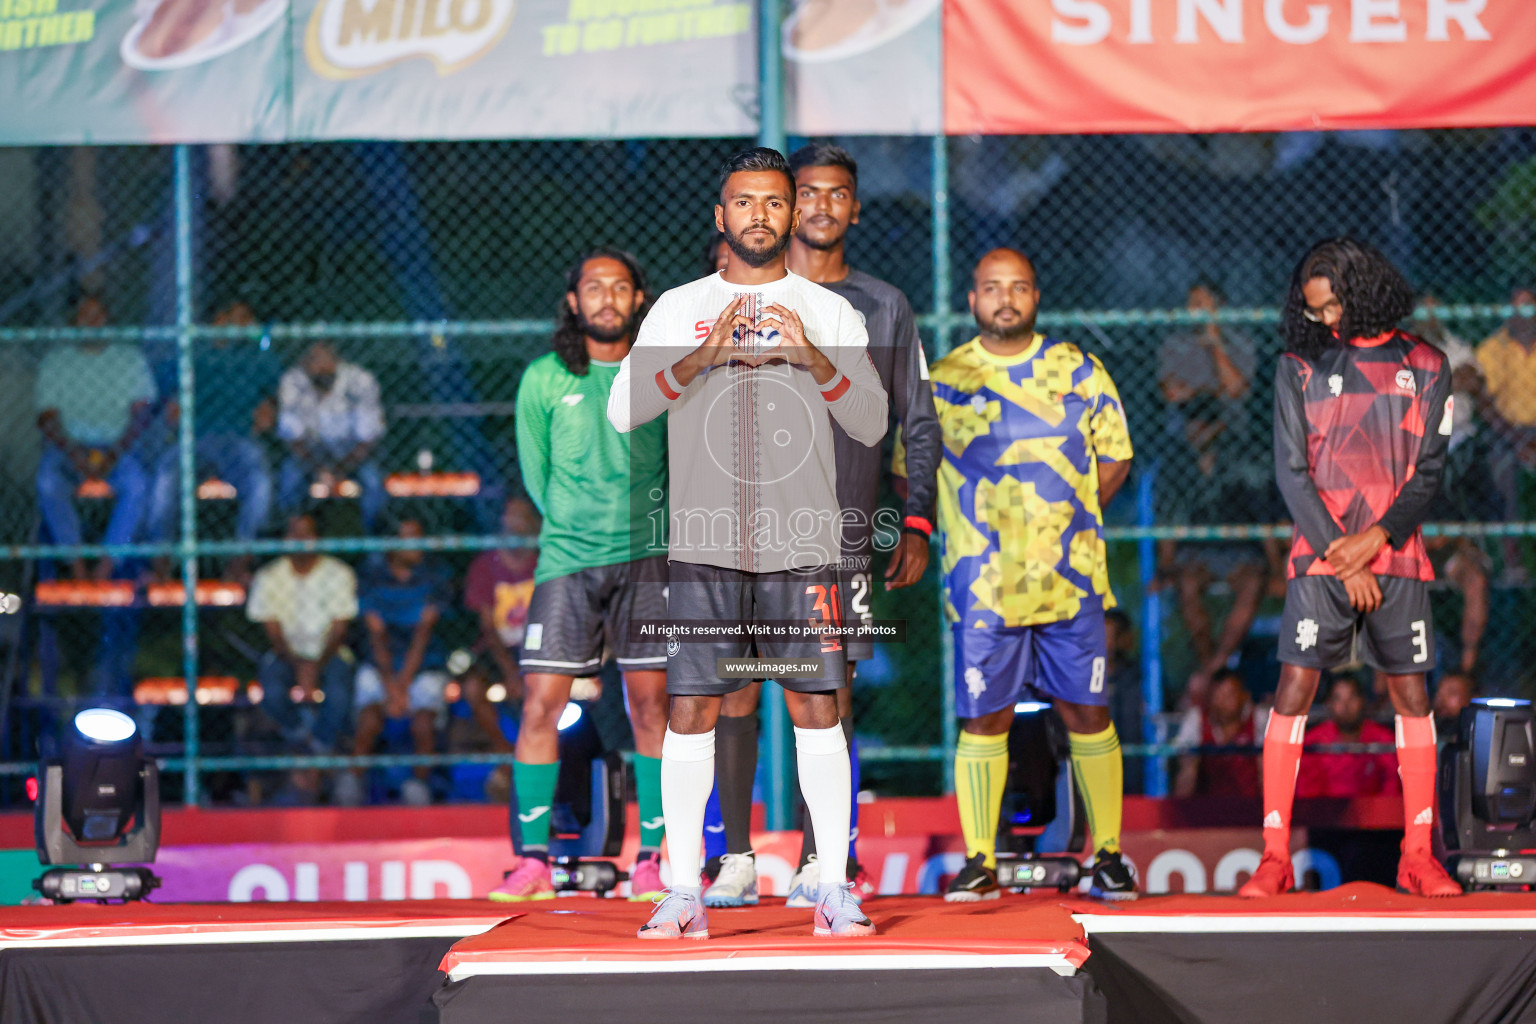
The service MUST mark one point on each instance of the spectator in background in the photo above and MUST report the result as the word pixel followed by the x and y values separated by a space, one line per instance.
pixel 237 384
pixel 330 417
pixel 1508 361
pixel 1205 375
pixel 306 602
pixel 1452 694
pixel 404 672
pixel 1465 493
pixel 1126 707
pixel 93 400
pixel 718 253
pixel 1347 775
pixel 499 586
pixel 1228 719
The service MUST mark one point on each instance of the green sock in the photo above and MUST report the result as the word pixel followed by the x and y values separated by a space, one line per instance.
pixel 648 796
pixel 535 786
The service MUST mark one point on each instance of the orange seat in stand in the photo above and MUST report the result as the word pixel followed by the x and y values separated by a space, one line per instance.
pixel 85 593
pixel 432 485
pixel 209 594
pixel 172 690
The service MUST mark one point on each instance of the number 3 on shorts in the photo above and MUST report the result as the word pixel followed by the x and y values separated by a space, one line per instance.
pixel 1420 641
pixel 1096 682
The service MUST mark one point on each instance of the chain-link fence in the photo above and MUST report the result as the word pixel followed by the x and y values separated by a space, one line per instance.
pixel 201 343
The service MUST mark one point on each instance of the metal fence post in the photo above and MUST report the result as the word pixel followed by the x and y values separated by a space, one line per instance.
pixel 186 445
pixel 941 299
pixel 1154 773
pixel 778 799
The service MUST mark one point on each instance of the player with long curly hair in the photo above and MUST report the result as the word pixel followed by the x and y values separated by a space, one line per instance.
pixel 1362 424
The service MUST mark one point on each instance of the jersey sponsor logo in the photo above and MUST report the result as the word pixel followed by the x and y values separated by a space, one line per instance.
pixel 533 637
pixel 533 815
pixel 702 328
pixel 975 682
pixel 1336 384
pixel 572 399
pixel 1405 381
pixel 1446 418
pixel 673 646
pixel 1306 634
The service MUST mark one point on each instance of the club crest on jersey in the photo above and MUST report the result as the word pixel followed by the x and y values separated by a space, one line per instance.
pixel 1405 381
pixel 1336 384
pixel 978 404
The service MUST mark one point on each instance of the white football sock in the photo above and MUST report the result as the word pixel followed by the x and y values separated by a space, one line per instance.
pixel 822 758
pixel 687 776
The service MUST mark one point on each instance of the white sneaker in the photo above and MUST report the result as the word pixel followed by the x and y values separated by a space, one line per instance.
pixel 736 885
pixel 415 793
pixel 805 886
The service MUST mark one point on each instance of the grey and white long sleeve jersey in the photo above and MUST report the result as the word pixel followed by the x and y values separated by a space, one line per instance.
pixel 753 469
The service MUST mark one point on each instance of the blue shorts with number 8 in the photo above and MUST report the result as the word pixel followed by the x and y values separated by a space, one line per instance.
pixel 1061 660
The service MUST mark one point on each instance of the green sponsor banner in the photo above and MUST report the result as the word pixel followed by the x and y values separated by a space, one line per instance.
pixel 108 71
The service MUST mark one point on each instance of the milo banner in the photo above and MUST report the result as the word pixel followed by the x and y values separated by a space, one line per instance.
pixel 108 71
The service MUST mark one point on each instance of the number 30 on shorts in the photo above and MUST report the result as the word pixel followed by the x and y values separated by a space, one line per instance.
pixel 1420 641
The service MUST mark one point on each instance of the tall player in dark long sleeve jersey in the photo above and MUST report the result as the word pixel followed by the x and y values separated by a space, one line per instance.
pixel 1362 423
pixel 826 193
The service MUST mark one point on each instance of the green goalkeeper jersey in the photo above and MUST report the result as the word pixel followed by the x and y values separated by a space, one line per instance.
pixel 603 494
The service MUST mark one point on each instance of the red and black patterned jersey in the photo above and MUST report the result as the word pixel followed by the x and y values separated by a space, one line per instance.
pixel 1360 441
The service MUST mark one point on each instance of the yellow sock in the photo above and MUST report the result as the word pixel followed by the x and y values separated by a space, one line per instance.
pixel 1101 779
pixel 981 774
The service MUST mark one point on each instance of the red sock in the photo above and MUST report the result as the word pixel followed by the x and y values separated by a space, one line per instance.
pixel 1416 767
pixel 1282 759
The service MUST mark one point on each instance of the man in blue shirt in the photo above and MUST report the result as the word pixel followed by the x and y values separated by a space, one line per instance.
pixel 404 669
pixel 236 392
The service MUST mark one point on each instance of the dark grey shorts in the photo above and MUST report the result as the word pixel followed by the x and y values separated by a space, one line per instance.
pixel 576 622
pixel 1318 627
pixel 715 600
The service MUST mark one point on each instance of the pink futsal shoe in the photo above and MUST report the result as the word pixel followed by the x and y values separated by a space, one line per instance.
pixel 645 879
pixel 678 917
pixel 529 880
pixel 838 915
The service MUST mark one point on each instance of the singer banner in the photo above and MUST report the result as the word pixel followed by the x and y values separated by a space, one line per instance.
pixel 1104 66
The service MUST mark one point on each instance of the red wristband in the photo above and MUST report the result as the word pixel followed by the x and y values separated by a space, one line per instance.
pixel 919 524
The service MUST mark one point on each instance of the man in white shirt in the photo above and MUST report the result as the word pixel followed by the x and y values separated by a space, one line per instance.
pixel 306 602
pixel 752 365
pixel 330 417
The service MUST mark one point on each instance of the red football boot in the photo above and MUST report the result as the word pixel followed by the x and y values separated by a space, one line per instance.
pixel 1273 877
pixel 1420 874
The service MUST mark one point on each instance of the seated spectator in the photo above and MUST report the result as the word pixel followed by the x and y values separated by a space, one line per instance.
pixel 1452 694
pixel 306 602
pixel 330 417
pixel 1227 720
pixel 1508 361
pixel 404 670
pixel 237 384
pixel 1123 680
pixel 486 722
pixel 499 586
pixel 93 402
pixel 1205 374
pixel 1347 775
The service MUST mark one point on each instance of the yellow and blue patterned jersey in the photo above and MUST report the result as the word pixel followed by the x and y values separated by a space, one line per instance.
pixel 1023 535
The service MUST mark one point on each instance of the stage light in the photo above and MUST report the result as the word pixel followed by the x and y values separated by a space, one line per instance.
pixel 1030 707
pixel 569 717
pixel 98 805
pixel 1041 811
pixel 1488 794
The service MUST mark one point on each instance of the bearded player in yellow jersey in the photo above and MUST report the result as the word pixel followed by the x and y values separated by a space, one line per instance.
pixel 1035 442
